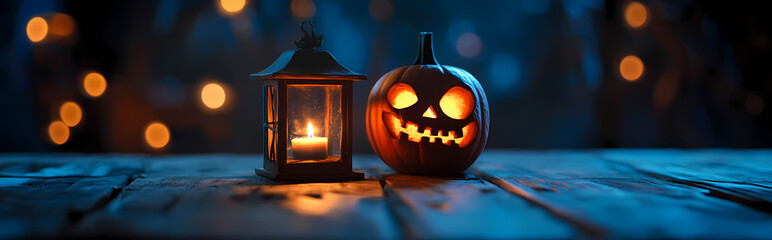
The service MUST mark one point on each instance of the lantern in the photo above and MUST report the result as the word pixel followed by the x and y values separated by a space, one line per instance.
pixel 307 115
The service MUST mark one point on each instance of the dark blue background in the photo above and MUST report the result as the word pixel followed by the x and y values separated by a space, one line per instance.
pixel 549 68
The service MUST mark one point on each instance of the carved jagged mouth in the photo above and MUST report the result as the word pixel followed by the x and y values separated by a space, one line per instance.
pixel 397 127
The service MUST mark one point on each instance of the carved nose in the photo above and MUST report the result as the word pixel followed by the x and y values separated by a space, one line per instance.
pixel 430 113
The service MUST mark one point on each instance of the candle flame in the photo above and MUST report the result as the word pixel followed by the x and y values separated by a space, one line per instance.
pixel 310 130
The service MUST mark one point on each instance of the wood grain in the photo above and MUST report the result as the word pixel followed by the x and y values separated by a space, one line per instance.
pixel 70 165
pixel 248 207
pixel 467 208
pixel 508 194
pixel 742 176
pixel 623 200
pixel 49 207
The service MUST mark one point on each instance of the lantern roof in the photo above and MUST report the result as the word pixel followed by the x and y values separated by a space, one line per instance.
pixel 307 62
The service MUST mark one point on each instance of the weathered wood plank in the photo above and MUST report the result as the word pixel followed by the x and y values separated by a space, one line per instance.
pixel 741 176
pixel 224 165
pixel 442 208
pixel 622 200
pixel 47 207
pixel 584 228
pixel 243 207
pixel 70 165
pixel 627 193
pixel 720 165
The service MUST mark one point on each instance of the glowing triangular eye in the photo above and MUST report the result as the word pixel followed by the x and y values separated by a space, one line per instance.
pixel 401 96
pixel 430 113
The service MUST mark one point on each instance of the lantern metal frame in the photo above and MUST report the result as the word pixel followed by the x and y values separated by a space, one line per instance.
pixel 304 66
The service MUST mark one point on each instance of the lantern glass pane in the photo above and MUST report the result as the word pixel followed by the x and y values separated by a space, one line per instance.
pixel 314 123
pixel 270 126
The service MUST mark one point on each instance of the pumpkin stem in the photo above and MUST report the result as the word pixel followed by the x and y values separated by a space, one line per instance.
pixel 426 50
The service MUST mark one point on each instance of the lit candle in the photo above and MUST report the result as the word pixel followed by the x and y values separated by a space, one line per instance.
pixel 305 148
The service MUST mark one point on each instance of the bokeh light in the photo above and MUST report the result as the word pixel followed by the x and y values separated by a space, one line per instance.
pixel 754 104
pixel 94 84
pixel 469 45
pixel 58 132
pixel 531 49
pixel 157 135
pixel 213 95
pixel 303 8
pixel 232 6
pixel 505 73
pixel 70 113
pixel 37 29
pixel 631 68
pixel 62 25
pixel 381 10
pixel 636 14
pixel 456 29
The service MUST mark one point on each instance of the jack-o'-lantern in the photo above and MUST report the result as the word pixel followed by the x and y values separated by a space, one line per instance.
pixel 426 118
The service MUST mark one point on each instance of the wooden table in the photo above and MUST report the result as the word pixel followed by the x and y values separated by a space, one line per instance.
pixel 507 194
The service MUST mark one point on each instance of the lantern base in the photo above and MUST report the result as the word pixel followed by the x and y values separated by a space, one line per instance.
pixel 328 177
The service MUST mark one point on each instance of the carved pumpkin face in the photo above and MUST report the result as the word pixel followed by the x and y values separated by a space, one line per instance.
pixel 428 119
pixel 456 104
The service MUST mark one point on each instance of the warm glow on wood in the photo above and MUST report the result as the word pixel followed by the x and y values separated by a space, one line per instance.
pixel 213 95
pixel 37 29
pixel 70 113
pixel 157 135
pixel 631 68
pixel 314 206
pixel 636 14
pixel 94 84
pixel 58 132
pixel 232 6
pixel 457 103
pixel 401 96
